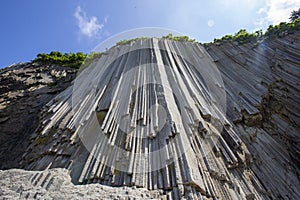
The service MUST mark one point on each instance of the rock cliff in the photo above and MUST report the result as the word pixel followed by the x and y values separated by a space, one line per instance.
pixel 180 120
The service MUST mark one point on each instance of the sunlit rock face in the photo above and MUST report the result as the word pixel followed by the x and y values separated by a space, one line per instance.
pixel 220 121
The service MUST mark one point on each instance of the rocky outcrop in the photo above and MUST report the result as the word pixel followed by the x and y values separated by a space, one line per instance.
pixel 24 89
pixel 263 85
pixel 219 122
pixel 266 87
pixel 56 184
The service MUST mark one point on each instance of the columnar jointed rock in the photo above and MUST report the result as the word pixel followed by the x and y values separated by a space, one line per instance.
pixel 153 114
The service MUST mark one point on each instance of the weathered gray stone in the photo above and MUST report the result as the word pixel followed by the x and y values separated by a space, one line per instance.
pixel 247 149
pixel 56 184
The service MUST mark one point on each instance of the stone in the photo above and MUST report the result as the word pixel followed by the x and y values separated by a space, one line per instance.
pixel 153 115
pixel 56 184
pixel 3 119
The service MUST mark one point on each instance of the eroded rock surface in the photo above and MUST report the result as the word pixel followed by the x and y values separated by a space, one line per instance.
pixel 56 184
pixel 237 138
pixel 24 89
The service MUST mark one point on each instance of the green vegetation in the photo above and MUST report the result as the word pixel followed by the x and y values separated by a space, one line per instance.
pixel 178 38
pixel 67 60
pixel 273 31
pixel 89 58
pixel 122 42
pixel 92 56
pixel 283 27
pixel 74 60
pixel 169 37
pixel 241 37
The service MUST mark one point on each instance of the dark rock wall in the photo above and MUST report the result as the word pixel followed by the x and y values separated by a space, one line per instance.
pixel 24 90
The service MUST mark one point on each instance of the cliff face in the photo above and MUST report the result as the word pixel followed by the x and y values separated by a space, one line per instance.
pixel 24 89
pixel 265 79
pixel 220 121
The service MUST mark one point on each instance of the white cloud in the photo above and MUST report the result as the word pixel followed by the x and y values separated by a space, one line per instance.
pixel 261 11
pixel 210 23
pixel 276 11
pixel 88 26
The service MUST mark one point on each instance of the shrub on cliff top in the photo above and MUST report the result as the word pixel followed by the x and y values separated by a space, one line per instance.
pixel 68 59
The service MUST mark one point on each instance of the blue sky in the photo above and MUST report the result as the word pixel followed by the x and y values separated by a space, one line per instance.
pixel 33 26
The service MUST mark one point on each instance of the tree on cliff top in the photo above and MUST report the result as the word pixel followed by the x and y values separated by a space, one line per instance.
pixel 295 15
